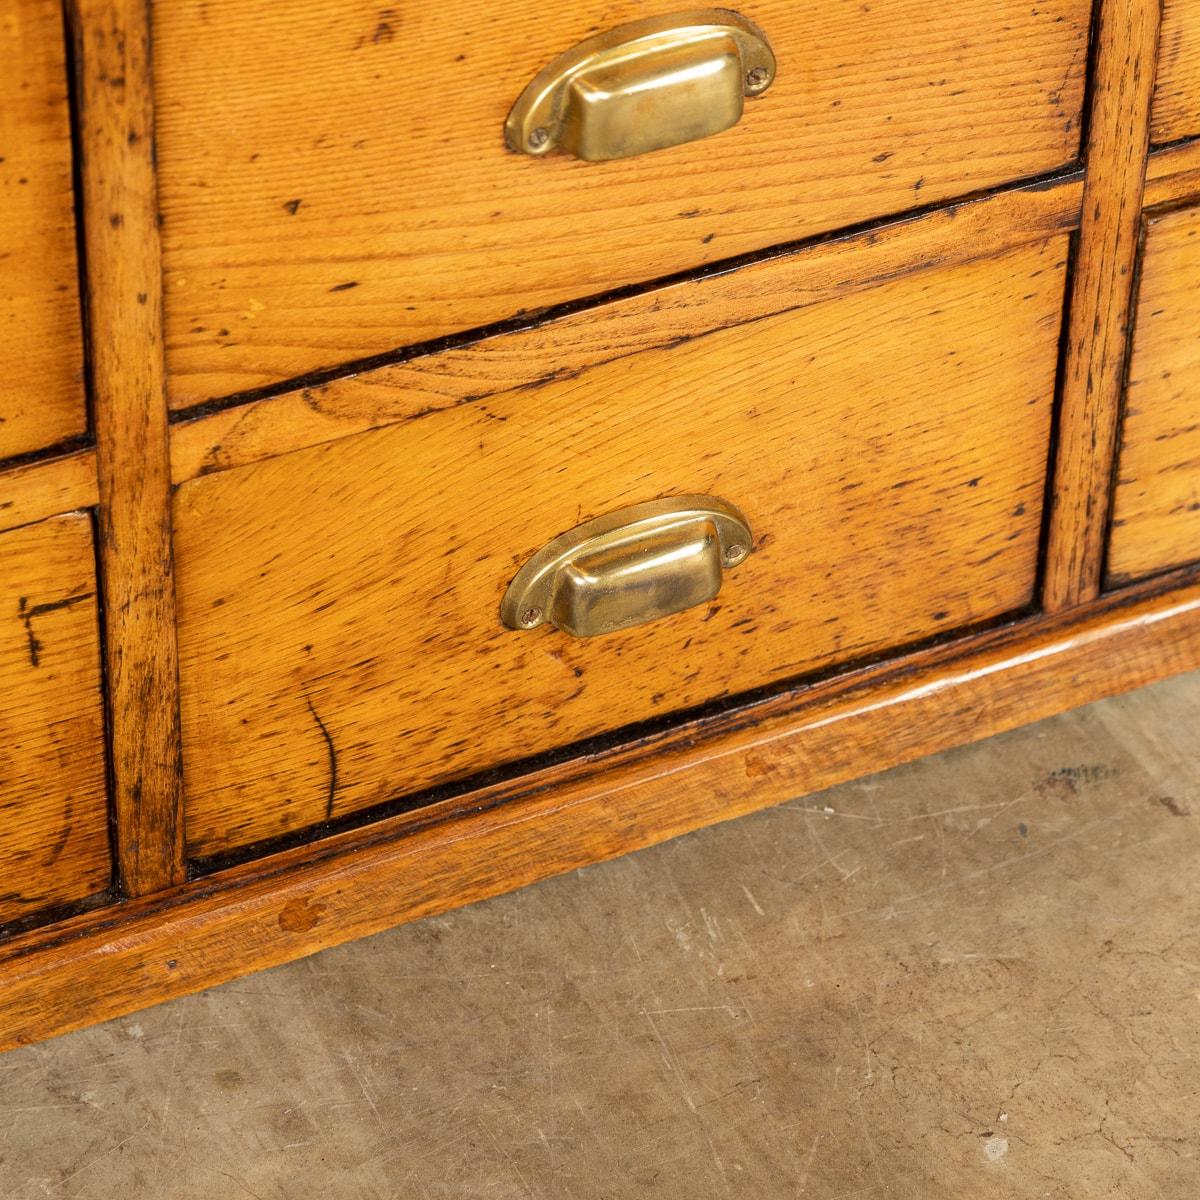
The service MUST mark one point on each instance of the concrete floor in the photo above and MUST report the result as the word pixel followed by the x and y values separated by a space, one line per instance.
pixel 976 976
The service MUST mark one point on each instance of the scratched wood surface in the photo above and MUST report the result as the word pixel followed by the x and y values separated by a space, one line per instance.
pixel 1177 94
pixel 352 652
pixel 41 351
pixel 53 808
pixel 334 180
pixel 1156 506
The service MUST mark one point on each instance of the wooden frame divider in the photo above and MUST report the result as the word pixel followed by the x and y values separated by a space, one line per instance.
pixel 1099 307
pixel 119 209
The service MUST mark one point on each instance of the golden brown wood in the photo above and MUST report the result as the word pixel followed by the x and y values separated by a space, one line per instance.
pixel 1156 508
pixel 121 219
pixel 335 184
pixel 356 403
pixel 1173 174
pixel 1101 298
pixel 340 643
pixel 41 489
pixel 41 351
pixel 251 917
pixel 53 806
pixel 1177 93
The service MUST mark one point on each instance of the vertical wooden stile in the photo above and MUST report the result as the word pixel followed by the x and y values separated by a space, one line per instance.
pixel 1101 298
pixel 115 115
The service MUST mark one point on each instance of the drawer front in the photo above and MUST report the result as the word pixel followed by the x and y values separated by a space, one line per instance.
pixel 1177 94
pixel 1156 509
pixel 340 637
pixel 349 192
pixel 53 808
pixel 41 352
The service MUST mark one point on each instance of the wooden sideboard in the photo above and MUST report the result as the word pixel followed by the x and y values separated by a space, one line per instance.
pixel 301 363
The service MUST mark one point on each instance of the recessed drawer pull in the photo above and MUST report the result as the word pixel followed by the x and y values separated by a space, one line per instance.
pixel 644 86
pixel 629 567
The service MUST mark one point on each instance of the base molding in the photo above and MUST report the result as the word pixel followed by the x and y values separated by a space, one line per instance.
pixel 140 952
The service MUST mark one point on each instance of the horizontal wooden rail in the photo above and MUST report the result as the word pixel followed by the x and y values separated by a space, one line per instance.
pixel 281 908
pixel 775 283
pixel 48 487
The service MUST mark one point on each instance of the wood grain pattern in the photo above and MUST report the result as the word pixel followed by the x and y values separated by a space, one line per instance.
pixel 1156 506
pixel 1177 93
pixel 247 918
pixel 53 803
pixel 1101 299
pixel 41 489
pixel 352 652
pixel 125 310
pixel 1173 173
pixel 41 348
pixel 334 180
pixel 527 358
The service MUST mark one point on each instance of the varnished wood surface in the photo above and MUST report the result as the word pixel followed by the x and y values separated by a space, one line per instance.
pixel 41 489
pixel 41 350
pixel 355 403
pixel 1156 506
pixel 53 808
pixel 888 447
pixel 1177 94
pixel 125 319
pixel 1173 173
pixel 531 357
pixel 334 181
pixel 101 965
pixel 1101 299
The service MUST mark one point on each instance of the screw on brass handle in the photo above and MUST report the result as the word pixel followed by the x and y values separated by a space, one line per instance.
pixel 644 86
pixel 628 567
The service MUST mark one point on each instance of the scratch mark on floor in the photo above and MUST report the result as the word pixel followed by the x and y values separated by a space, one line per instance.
pixel 671 1062
pixel 808 1162
pixel 91 1162
pixel 758 908
pixel 998 813
pixel 166 1108
pixel 362 1086
pixel 830 859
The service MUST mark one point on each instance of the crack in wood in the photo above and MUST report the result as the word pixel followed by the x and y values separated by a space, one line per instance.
pixel 333 769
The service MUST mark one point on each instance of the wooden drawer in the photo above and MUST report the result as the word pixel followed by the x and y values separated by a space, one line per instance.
pixel 339 632
pixel 53 808
pixel 41 353
pixel 1156 508
pixel 335 184
pixel 1177 93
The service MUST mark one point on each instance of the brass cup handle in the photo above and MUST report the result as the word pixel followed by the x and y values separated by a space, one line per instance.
pixel 628 567
pixel 644 86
